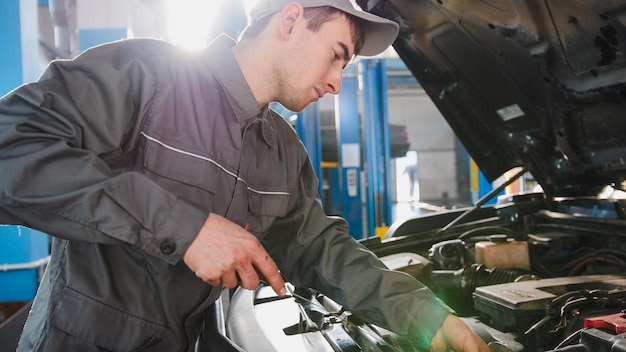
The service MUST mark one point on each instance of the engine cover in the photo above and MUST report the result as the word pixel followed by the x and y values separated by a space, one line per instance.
pixel 516 306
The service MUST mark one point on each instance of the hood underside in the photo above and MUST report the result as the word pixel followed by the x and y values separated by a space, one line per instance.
pixel 538 84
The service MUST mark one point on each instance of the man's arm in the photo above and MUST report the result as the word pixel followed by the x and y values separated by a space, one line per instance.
pixel 66 144
pixel 313 250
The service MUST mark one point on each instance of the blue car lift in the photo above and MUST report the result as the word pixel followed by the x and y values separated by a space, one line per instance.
pixel 19 35
pixel 363 173
pixel 378 149
pixel 349 141
pixel 308 128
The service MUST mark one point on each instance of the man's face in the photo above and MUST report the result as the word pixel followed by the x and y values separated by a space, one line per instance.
pixel 314 62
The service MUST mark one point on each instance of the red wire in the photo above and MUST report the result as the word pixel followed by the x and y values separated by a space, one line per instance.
pixel 589 260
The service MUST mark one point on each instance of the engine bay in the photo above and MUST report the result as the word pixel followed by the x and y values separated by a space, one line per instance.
pixel 551 278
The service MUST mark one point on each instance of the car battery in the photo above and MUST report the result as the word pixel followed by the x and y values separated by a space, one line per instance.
pixel 518 305
pixel 24 252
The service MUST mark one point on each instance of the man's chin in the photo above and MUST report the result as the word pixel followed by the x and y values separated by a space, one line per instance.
pixel 296 108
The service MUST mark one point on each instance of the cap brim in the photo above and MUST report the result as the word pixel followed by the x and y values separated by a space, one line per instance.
pixel 380 32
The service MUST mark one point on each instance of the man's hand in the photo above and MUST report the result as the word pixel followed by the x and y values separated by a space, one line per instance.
pixel 224 253
pixel 455 335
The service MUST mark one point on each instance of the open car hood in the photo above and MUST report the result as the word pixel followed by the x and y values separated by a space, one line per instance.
pixel 537 84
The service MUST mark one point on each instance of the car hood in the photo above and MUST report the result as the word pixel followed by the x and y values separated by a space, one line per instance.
pixel 533 84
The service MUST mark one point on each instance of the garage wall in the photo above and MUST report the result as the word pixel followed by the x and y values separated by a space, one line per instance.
pixel 432 139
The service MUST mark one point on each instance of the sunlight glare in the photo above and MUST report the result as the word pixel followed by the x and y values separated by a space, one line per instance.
pixel 189 21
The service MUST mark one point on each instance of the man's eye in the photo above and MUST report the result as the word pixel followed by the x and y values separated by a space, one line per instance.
pixel 337 57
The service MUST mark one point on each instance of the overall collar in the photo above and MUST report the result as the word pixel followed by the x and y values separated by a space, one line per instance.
pixel 239 94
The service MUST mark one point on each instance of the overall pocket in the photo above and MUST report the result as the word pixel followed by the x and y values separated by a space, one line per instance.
pixel 264 208
pixel 97 324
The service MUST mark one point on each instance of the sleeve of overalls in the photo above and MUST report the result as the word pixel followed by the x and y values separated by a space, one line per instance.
pixel 314 250
pixel 67 143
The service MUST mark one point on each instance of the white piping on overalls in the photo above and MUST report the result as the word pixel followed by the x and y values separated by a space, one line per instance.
pixel 150 138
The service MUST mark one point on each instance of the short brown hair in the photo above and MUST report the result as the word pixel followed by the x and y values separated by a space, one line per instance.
pixel 315 16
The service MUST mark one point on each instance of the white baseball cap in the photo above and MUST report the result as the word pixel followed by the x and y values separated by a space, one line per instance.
pixel 380 32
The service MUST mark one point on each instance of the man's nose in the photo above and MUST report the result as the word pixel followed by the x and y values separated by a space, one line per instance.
pixel 333 84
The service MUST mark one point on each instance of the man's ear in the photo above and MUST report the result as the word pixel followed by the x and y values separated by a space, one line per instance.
pixel 290 16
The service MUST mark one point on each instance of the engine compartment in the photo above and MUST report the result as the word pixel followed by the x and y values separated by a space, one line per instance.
pixel 570 297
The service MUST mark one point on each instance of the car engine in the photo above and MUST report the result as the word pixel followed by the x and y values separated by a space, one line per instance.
pixel 525 274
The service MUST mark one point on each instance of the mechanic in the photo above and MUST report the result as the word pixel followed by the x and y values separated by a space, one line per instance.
pixel 162 177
